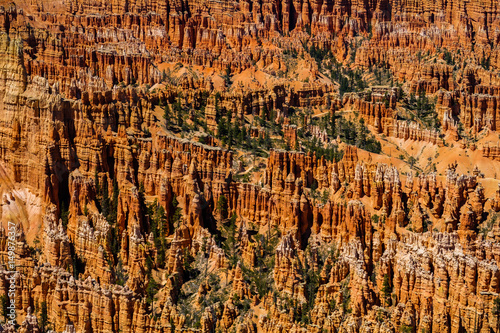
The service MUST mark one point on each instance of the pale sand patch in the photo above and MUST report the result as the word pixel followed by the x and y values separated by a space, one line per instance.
pixel 21 206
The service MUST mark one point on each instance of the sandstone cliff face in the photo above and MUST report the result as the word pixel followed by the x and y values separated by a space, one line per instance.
pixel 142 230
pixel 122 43
pixel 421 269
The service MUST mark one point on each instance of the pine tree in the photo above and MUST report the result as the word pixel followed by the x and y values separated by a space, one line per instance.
pixel 230 243
pixel 151 290
pixel 267 140
pixel 113 205
pixel 64 214
pixel 222 130
pixel 386 290
pixel 172 326
pixel 243 135
pixel 4 303
pixel 105 203
pixel 222 206
pixel 180 121
pixel 44 318
pixel 166 114
pixel 177 215
pixel 495 311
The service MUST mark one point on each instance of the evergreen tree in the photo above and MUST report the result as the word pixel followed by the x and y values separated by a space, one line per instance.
pixel 180 121
pixel 160 228
pixel 64 214
pixel 166 114
pixel 113 205
pixel 105 202
pixel 361 133
pixel 178 111
pixel 43 319
pixel 172 326
pixel 177 215
pixel 386 290
pixel 222 206
pixel 230 244
pixel 151 290
pixel 243 135
pixel 267 140
pixel 4 303
pixel 495 311
pixel 222 130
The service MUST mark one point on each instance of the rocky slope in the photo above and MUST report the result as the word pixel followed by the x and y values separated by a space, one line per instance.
pixel 302 166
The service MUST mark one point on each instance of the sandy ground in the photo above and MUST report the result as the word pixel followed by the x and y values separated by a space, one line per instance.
pixel 299 73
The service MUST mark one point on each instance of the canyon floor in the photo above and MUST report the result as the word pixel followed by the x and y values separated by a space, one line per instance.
pixel 250 166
